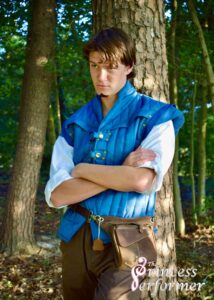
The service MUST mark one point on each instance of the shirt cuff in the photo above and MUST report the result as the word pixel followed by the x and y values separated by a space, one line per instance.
pixel 56 180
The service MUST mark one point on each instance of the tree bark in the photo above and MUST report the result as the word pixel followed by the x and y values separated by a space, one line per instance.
pixel 180 223
pixel 208 65
pixel 18 237
pixel 144 22
pixel 202 151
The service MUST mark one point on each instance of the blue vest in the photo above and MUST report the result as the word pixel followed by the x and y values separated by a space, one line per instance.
pixel 108 141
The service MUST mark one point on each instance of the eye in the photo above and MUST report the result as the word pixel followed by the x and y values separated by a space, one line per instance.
pixel 113 66
pixel 93 65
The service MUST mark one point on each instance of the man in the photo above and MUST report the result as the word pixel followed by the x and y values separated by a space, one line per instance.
pixel 110 158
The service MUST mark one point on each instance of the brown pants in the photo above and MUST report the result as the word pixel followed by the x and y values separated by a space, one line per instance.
pixel 92 275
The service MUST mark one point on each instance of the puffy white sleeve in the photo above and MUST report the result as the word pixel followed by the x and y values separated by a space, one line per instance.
pixel 161 140
pixel 61 167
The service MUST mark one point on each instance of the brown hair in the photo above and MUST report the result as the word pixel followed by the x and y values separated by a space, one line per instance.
pixel 115 45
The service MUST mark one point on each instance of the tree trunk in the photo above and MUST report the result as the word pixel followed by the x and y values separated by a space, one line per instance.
pixel 192 155
pixel 208 65
pixel 18 234
pixel 180 223
pixel 144 22
pixel 202 151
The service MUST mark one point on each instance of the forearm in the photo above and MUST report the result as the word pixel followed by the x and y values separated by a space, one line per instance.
pixel 119 178
pixel 74 190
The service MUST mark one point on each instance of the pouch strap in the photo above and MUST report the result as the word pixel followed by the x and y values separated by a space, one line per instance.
pixel 81 210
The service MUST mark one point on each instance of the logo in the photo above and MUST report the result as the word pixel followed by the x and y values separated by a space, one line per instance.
pixel 138 271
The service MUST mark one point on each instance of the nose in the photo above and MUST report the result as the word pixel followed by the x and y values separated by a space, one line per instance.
pixel 102 74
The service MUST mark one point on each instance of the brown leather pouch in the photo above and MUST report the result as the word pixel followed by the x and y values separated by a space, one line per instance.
pixel 132 241
pixel 132 238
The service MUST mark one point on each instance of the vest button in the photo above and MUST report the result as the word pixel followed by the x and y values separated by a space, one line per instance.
pixel 98 155
pixel 95 135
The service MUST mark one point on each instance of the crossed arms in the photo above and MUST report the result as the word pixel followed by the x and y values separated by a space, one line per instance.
pixel 142 170
pixel 90 179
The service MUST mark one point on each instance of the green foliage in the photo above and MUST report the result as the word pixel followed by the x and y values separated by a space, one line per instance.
pixel 190 69
pixel 209 211
pixel 74 26
pixel 73 29
pixel 210 143
pixel 74 22
pixel 12 55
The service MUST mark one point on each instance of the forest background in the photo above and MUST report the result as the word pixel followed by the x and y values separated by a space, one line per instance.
pixel 73 88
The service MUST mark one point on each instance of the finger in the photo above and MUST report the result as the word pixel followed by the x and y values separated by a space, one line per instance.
pixel 143 159
pixel 143 150
pixel 146 151
pixel 147 156
pixel 139 163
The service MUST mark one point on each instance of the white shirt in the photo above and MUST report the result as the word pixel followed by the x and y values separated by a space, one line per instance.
pixel 161 140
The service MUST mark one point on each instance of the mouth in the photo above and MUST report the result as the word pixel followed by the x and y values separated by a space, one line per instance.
pixel 102 86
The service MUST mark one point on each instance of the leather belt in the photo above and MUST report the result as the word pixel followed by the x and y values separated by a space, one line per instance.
pixel 89 215
pixel 81 210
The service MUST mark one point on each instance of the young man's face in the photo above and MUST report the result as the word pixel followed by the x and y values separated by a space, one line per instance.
pixel 108 78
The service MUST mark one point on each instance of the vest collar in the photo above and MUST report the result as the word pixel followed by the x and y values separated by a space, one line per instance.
pixel 90 116
pixel 114 117
pixel 126 107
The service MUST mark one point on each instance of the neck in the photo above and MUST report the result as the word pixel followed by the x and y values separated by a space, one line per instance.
pixel 107 103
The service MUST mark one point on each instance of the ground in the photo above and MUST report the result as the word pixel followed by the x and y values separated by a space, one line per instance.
pixel 39 276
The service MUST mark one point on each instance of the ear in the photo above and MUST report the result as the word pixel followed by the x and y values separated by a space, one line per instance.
pixel 129 69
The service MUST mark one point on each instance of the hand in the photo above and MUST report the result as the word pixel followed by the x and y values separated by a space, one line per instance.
pixel 138 157
pixel 76 172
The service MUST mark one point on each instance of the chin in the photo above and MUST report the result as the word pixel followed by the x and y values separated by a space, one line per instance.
pixel 103 95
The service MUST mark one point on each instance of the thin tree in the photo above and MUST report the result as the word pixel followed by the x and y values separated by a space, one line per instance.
pixel 173 88
pixel 58 112
pixel 192 155
pixel 144 22
pixel 202 151
pixel 51 131
pixel 18 234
